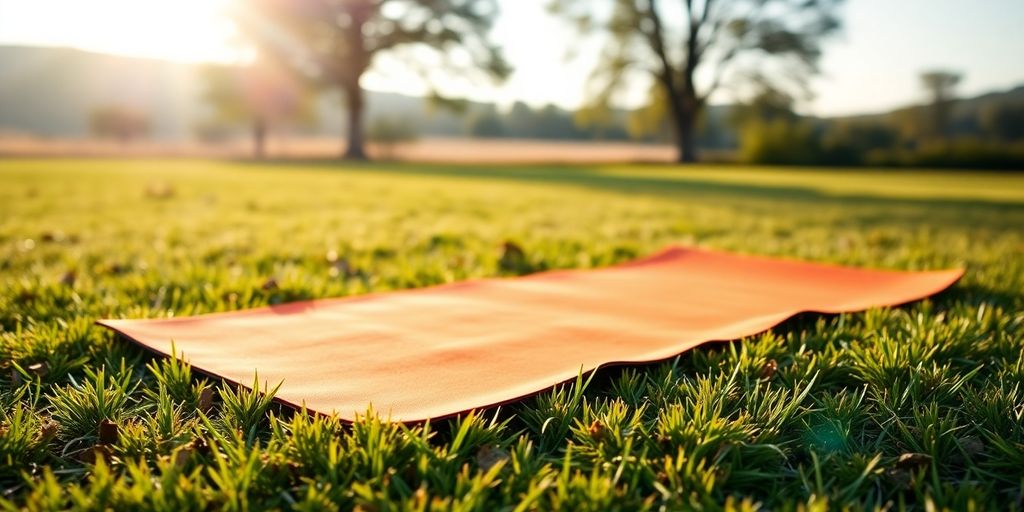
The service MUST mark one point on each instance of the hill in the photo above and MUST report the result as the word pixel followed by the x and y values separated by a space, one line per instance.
pixel 963 108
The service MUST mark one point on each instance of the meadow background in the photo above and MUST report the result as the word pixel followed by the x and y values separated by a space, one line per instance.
pixel 166 159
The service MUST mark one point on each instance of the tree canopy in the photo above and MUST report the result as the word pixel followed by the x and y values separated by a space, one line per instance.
pixel 689 50
pixel 335 42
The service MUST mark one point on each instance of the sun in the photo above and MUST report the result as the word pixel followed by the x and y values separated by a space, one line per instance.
pixel 183 30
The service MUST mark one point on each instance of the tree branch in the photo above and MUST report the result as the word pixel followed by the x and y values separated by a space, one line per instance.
pixel 657 41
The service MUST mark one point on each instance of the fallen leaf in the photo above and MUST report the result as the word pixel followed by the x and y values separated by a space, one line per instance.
pixel 206 399
pixel 108 432
pixel 116 269
pixel 48 429
pixel 39 369
pixel 159 190
pixel 898 478
pixel 512 256
pixel 68 279
pixel 200 446
pixel 913 460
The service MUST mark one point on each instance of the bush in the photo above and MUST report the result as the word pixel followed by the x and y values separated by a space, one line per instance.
pixel 779 142
pixel 849 143
pixel 958 153
pixel 799 142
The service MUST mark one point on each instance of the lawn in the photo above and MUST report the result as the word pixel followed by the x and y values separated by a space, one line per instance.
pixel 916 406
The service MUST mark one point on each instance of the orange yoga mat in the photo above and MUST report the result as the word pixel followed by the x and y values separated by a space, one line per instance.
pixel 435 352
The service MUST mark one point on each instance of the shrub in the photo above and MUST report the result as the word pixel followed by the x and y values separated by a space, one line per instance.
pixel 959 153
pixel 779 142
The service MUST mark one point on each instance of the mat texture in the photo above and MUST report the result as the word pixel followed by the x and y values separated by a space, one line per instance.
pixel 435 352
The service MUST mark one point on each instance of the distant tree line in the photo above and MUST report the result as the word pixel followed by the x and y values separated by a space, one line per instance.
pixel 330 45
pixel 548 122
pixel 765 49
pixel 670 45
pixel 938 133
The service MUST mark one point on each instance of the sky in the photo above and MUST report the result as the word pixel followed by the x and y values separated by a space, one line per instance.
pixel 872 66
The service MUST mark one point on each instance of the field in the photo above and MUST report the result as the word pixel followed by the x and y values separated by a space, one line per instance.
pixel 438 150
pixel 920 406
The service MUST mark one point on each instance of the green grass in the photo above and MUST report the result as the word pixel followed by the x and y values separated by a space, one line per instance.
pixel 909 407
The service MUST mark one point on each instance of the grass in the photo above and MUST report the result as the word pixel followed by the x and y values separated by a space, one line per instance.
pixel 919 407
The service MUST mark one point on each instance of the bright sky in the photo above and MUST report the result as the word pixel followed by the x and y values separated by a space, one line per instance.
pixel 872 66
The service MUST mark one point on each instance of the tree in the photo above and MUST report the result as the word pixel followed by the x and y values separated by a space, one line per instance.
pixel 644 122
pixel 335 42
pixel 119 121
pixel 941 88
pixel 260 95
pixel 692 48
pixel 521 121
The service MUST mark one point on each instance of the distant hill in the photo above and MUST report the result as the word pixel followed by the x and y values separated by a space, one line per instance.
pixel 964 116
pixel 52 91
pixel 962 107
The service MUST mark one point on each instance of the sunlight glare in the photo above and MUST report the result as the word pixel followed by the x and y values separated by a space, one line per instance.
pixel 183 30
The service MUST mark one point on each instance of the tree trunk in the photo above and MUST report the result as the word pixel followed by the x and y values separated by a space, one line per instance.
pixel 354 148
pixel 683 109
pixel 259 139
pixel 686 139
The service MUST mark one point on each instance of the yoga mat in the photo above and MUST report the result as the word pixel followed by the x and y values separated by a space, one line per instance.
pixel 439 351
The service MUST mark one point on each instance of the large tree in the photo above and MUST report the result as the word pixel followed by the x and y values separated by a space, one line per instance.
pixel 941 88
pixel 260 95
pixel 689 49
pixel 335 42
